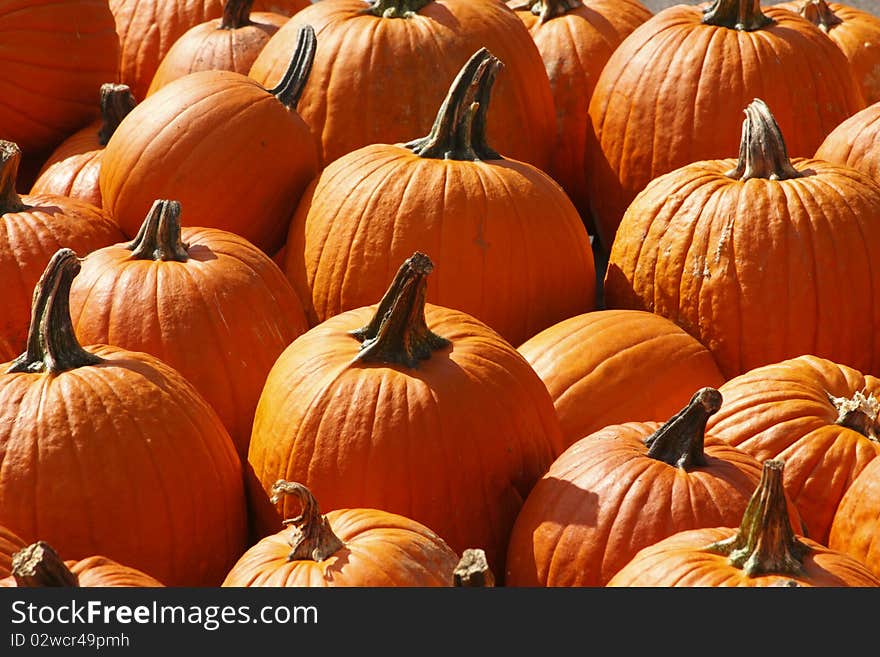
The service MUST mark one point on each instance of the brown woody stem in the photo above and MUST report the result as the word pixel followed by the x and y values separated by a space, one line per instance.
pixel 859 413
pixel 10 158
pixel 38 565
pixel 116 102
pixel 236 14
pixel 312 537
pixel 765 542
pixel 679 442
pixel 736 14
pixel 549 9
pixel 820 14
pixel 762 151
pixel 396 8
pixel 459 131
pixel 52 345
pixel 398 332
pixel 159 234
pixel 291 85
pixel 473 570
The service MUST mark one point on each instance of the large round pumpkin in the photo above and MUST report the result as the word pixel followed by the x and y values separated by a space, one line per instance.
pixel 761 259
pixel 111 452
pixel 411 408
pixel 518 256
pixel 382 69
pixel 671 94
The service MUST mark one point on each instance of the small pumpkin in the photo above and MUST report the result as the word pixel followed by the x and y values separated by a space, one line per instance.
pixel 854 143
pixel 764 550
pixel 10 543
pixel 344 548
pixel 856 523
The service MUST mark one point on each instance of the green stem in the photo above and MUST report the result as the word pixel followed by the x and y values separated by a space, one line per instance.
pixel 312 537
pixel 679 442
pixel 820 14
pixel 116 102
pixel 236 14
pixel 10 159
pixel 159 235
pixel 745 15
pixel 396 8
pixel 398 332
pixel 762 151
pixel 290 88
pixel 38 565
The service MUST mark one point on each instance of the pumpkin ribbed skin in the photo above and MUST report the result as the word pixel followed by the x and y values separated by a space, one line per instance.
pixel 56 54
pixel 101 572
pixel 595 367
pixel 10 543
pixel 783 411
pixel 380 80
pixel 672 94
pixel 856 523
pixel 854 143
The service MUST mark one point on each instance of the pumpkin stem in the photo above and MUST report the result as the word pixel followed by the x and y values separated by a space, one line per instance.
pixel 743 15
pixel 765 542
pixel 820 14
pixel 236 14
pixel 116 102
pixel 312 537
pixel 38 565
pixel 10 158
pixel 473 570
pixel 398 332
pixel 396 8
pixel 290 88
pixel 679 442
pixel 459 131
pixel 549 9
pixel 859 413
pixel 159 235
pixel 762 151
pixel 52 345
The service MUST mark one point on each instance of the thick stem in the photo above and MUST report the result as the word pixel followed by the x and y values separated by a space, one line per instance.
pixel 473 570
pixel 762 151
pixel 765 542
pixel 459 131
pixel 290 88
pixel 679 442
pixel 159 235
pixel 820 14
pixel 116 102
pixel 312 537
pixel 398 332
pixel 743 15
pixel 236 14
pixel 859 413
pixel 38 565
pixel 52 345
pixel 396 8
pixel 549 9
pixel 10 158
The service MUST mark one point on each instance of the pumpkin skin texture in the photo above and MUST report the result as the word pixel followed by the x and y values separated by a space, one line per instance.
pixel 399 69
pixel 594 367
pixel 152 477
pixel 706 244
pixel 519 256
pixel 56 54
pixel 670 95
pixel 455 443
pixel 856 524
pixel 176 144
pixel 784 411
pixel 72 168
pixel 854 143
pixel 10 543
pixel 764 551
pixel 32 228
pixel 346 548
pixel 185 296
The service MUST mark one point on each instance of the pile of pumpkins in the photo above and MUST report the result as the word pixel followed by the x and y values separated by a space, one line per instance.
pixel 439 293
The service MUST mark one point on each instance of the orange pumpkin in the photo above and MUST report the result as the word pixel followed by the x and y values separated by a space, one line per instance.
pixel 10 543
pixel 345 548
pixel 854 143
pixel 856 523
pixel 763 551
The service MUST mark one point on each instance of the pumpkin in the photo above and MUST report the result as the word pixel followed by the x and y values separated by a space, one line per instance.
pixel 382 69
pixel 819 416
pixel 853 143
pixel 32 228
pixel 112 452
pixel 72 168
pixel 10 543
pixel 595 366
pixel 411 408
pixel 519 256
pixel 346 547
pixel 752 256
pixel 56 53
pixel 235 155
pixel 762 551
pixel 623 488
pixel 228 43
pixel 856 522
pixel 205 301
pixel 38 565
pixel 670 94
pixel 575 39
